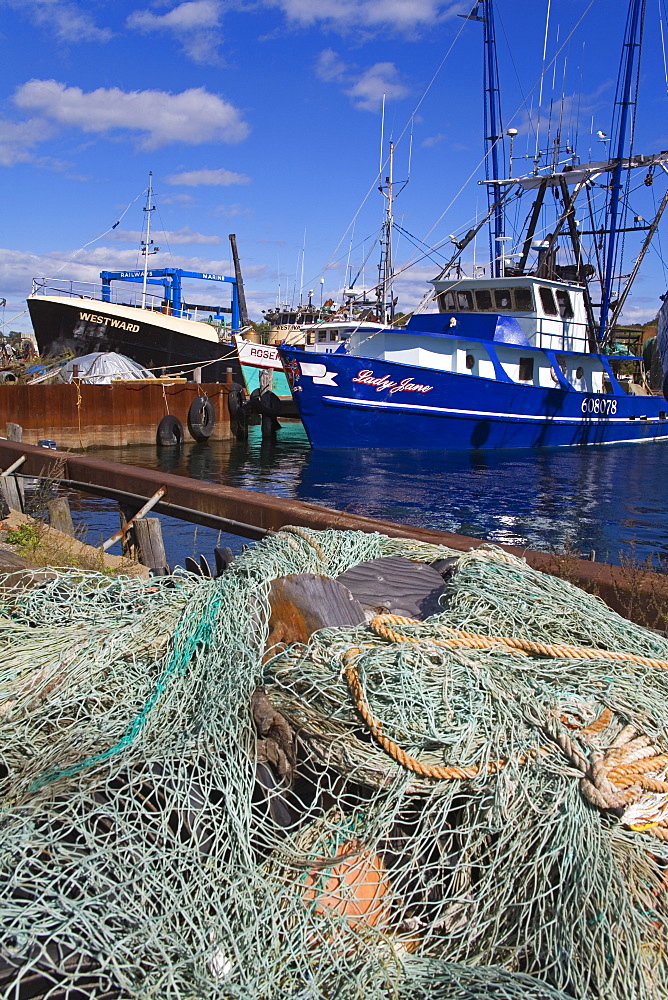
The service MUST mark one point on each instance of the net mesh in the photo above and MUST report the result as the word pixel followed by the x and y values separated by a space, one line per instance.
pixel 161 837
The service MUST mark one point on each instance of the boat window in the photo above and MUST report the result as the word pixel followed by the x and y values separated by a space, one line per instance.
pixel 562 365
pixel 526 370
pixel 464 300
pixel 483 299
pixel 579 372
pixel 322 336
pixel 334 335
pixel 470 361
pixel 310 338
pixel 447 301
pixel 565 307
pixel 547 301
pixel 523 299
pixel 502 299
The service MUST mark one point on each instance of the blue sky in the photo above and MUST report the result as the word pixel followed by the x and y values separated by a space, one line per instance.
pixel 262 117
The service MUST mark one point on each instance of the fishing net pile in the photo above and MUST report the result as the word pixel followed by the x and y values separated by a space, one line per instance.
pixel 394 810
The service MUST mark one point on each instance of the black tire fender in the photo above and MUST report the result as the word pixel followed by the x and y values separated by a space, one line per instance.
pixel 236 400
pixel 170 432
pixel 201 418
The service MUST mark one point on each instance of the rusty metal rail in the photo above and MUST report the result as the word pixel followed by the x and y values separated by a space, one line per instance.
pixel 640 595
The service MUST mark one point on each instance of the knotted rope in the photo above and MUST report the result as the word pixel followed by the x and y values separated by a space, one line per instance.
pixel 627 777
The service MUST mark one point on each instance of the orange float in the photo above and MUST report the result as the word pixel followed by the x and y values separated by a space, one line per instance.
pixel 355 887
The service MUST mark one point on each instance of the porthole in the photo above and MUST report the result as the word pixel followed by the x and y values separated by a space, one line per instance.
pixel 470 361
pixel 579 372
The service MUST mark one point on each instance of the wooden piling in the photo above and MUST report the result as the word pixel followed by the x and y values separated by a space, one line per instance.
pixel 12 490
pixel 60 516
pixel 148 532
pixel 266 380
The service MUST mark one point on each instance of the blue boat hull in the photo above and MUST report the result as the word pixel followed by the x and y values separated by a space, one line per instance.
pixel 355 402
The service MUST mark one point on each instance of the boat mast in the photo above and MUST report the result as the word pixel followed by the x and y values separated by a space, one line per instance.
pixel 147 244
pixel 384 297
pixel 493 138
pixel 493 135
pixel 632 42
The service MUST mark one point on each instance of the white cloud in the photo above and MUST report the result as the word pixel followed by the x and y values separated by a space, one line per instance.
pixel 330 67
pixel 66 21
pixel 215 178
pixel 174 237
pixel 642 310
pixel 178 198
pixel 412 285
pixel 194 24
pixel 367 88
pixel 231 211
pixel 346 14
pixel 17 140
pixel 380 80
pixel 18 268
pixel 194 116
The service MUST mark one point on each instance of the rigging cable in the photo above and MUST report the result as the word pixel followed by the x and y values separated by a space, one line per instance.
pixel 102 235
pixel 663 41
pixel 512 118
pixel 409 121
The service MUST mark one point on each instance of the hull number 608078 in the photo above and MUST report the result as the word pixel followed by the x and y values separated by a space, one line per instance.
pixel 601 407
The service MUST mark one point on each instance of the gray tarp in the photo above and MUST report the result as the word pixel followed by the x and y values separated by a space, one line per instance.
pixel 103 367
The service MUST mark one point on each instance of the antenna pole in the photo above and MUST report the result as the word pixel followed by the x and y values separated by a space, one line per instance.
pixel 301 286
pixel 146 244
pixel 382 142
pixel 384 293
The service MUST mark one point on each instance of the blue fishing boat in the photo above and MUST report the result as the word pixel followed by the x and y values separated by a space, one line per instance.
pixel 522 356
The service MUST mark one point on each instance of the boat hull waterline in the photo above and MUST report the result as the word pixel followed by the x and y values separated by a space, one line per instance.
pixel 357 402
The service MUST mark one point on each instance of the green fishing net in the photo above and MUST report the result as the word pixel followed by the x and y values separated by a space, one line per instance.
pixel 155 844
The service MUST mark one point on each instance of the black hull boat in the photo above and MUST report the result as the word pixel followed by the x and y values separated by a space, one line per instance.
pixel 155 328
pixel 154 339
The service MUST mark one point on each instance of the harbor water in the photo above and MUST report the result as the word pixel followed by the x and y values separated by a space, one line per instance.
pixel 608 499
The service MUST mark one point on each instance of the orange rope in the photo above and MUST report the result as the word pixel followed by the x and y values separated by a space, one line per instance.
pixel 452 773
pixel 472 640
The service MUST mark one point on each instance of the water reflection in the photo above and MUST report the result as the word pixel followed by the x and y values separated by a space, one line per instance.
pixel 609 499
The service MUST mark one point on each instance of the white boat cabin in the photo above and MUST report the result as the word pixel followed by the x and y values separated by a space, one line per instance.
pixel 551 313
pixel 325 338
pixel 525 330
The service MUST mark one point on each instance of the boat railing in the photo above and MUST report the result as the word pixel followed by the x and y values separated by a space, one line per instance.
pixel 93 291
